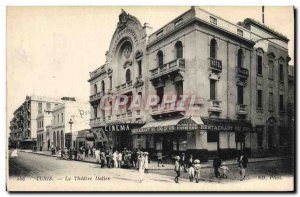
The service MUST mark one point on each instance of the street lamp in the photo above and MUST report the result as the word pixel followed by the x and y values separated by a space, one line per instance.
pixel 71 123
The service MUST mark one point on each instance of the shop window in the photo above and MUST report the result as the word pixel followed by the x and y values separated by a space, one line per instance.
pixel 259 65
pixel 213 49
pixel 212 136
pixel 179 50
pixel 240 90
pixel 160 58
pixel 259 99
pixel 212 89
pixel 182 145
pixel 240 58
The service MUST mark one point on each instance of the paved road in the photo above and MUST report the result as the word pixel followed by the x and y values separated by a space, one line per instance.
pixel 37 167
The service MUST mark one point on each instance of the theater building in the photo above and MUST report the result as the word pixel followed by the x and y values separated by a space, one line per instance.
pixel 233 75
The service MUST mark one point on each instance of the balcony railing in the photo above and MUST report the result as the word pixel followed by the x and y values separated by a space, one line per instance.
pixel 242 72
pixel 96 121
pixel 215 65
pixel 96 96
pixel 124 85
pixel 166 108
pixel 214 106
pixel 175 65
pixel 241 109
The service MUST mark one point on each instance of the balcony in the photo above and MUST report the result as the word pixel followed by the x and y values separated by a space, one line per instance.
pixel 241 109
pixel 242 72
pixel 214 106
pixel 97 72
pixel 96 96
pixel 215 65
pixel 166 108
pixel 124 86
pixel 124 115
pixel 172 66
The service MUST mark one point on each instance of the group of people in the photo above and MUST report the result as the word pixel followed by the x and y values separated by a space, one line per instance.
pixel 193 167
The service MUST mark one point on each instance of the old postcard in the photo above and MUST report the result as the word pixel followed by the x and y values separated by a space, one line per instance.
pixel 150 98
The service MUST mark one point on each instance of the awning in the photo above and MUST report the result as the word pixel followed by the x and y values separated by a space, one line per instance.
pixel 170 125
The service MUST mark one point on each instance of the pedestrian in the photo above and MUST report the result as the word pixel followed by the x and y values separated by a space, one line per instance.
pixel 133 158
pixel 141 166
pixel 58 153
pixel 108 158
pixel 87 152
pixel 242 164
pixel 93 151
pixel 146 161
pixel 197 170
pixel 81 153
pixel 183 162
pixel 224 170
pixel 120 159
pixel 177 169
pixel 216 164
pixel 159 158
pixel 115 159
pixel 97 155
pixel 103 158
pixel 191 168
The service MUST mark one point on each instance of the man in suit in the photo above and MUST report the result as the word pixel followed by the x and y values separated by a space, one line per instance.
pixel 242 164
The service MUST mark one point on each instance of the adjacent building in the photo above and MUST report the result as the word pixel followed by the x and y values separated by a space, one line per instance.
pixel 24 124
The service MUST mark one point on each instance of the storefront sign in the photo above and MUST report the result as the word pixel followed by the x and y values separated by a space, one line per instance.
pixel 226 125
pixel 117 127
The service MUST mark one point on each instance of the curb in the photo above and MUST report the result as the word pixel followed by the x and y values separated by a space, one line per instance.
pixel 203 167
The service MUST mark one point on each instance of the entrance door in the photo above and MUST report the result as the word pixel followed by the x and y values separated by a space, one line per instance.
pixel 270 137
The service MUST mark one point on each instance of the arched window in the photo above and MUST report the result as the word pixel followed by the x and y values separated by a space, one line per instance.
pixel 160 58
pixel 179 50
pixel 102 86
pixel 95 89
pixel 62 141
pixel 240 58
pixel 213 48
pixel 128 75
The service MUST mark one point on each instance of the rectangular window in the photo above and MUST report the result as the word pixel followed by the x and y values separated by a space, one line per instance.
pixel 40 108
pixel 271 69
pixel 95 112
pixel 140 68
pixel 240 94
pixel 281 78
pixel 240 32
pixel 212 136
pixel 271 101
pixel 281 108
pixel 259 65
pixel 111 108
pixel 62 117
pixel 259 99
pixel 213 89
pixel 160 94
pixel 213 20
pixel 48 106
pixel 110 82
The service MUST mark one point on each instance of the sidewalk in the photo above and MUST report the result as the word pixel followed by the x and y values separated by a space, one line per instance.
pixel 153 164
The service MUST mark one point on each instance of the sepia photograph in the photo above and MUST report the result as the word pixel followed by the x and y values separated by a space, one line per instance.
pixel 150 98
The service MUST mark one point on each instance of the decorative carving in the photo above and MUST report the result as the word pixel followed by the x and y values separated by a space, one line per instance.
pixel 127 51
pixel 123 18
pixel 139 82
pixel 127 62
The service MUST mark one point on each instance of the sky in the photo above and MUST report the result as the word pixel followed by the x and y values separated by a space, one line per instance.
pixel 51 50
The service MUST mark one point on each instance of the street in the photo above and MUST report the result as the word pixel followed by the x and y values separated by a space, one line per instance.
pixel 49 172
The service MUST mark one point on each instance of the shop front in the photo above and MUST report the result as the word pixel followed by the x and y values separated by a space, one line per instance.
pixel 226 137
pixel 171 136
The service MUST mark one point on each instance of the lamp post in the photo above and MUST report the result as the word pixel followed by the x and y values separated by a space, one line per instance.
pixel 71 123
